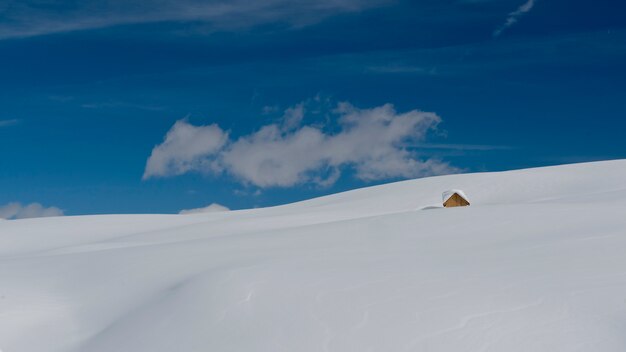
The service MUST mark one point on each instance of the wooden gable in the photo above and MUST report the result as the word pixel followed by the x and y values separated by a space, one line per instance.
pixel 456 201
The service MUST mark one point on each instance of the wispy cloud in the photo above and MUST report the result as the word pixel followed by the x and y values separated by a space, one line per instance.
pixel 33 210
pixel 514 17
pixel 6 123
pixel 371 142
pixel 121 105
pixel 34 17
pixel 402 69
pixel 477 59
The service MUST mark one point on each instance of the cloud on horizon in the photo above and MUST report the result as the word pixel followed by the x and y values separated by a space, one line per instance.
pixel 514 17
pixel 32 17
pixel 34 210
pixel 371 142
pixel 212 208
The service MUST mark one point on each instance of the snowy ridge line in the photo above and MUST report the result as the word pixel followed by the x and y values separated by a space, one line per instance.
pixel 536 261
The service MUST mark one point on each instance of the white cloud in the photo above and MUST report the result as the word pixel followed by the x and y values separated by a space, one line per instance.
pixel 372 142
pixel 184 149
pixel 33 210
pixel 26 18
pixel 514 17
pixel 212 208
pixel 6 123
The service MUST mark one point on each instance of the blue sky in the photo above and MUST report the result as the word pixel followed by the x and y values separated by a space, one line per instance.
pixel 278 101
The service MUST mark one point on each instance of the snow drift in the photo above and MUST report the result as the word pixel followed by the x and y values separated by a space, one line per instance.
pixel 535 264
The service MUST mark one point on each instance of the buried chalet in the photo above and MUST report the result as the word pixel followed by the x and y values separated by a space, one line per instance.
pixel 454 198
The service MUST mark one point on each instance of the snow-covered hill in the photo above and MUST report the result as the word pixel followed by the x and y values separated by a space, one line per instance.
pixel 536 263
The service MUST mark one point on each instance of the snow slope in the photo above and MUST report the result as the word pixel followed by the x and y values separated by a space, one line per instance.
pixel 536 263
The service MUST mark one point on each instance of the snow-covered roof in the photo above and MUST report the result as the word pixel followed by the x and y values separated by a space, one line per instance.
pixel 449 193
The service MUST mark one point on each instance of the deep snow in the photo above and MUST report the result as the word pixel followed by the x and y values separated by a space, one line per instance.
pixel 536 263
